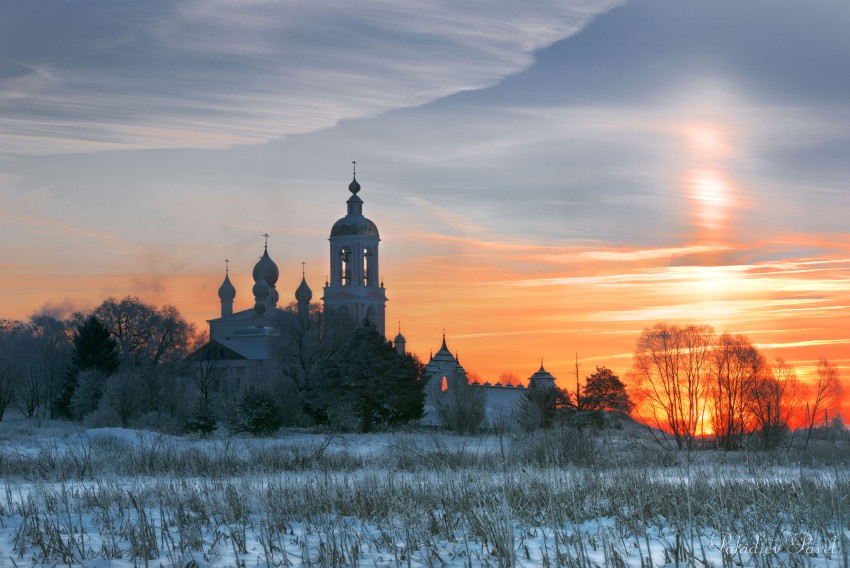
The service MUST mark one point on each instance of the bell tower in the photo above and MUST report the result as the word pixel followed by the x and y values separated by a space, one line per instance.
pixel 355 286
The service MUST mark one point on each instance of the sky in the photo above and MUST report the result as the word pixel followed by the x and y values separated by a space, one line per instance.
pixel 548 177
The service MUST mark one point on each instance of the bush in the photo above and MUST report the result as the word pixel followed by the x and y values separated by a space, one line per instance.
pixel 256 413
pixel 202 421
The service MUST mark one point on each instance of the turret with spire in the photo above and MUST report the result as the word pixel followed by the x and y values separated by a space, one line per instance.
pixel 542 378
pixel 400 343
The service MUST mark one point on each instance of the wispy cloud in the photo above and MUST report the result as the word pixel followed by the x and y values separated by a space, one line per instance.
pixel 66 228
pixel 216 73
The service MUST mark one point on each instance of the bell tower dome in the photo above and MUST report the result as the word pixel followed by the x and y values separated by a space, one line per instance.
pixel 355 286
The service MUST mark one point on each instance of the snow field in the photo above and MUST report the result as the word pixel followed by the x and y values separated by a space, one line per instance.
pixel 124 498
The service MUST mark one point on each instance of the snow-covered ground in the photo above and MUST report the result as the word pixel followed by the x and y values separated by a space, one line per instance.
pixel 116 497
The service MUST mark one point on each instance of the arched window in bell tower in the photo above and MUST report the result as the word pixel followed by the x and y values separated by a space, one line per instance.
pixel 345 262
pixel 369 274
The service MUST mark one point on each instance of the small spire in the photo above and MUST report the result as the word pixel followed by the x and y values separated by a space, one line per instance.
pixel 354 186
pixel 226 266
pixel 303 268
pixel 399 327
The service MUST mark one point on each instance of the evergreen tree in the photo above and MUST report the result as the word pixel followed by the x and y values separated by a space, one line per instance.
pixel 539 406
pixel 256 412
pixel 366 383
pixel 94 350
pixel 603 390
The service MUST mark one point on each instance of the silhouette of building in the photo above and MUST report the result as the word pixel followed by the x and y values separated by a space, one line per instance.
pixel 355 286
pixel 501 400
pixel 246 338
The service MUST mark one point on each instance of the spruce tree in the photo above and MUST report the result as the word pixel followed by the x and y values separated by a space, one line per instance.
pixel 367 383
pixel 94 350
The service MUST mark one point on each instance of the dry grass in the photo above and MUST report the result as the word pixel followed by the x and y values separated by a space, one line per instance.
pixel 552 499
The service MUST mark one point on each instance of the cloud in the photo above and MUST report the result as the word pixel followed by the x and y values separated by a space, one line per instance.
pixel 212 74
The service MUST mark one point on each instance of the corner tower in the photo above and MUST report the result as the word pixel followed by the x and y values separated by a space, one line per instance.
pixel 355 286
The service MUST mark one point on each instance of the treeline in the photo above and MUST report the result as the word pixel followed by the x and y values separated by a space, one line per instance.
pixel 55 368
pixel 695 383
pixel 128 363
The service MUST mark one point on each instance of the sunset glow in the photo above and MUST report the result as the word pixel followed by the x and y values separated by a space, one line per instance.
pixel 544 189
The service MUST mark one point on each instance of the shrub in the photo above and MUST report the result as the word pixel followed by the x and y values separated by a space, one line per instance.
pixel 256 413
pixel 201 421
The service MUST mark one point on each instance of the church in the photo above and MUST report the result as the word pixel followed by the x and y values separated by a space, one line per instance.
pixel 243 341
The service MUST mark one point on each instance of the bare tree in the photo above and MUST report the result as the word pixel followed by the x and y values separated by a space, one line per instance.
pixel 42 355
pixel 774 401
pixel 460 407
pixel 9 333
pixel 825 396
pixel 670 368
pixel 736 366
pixel 580 404
pixel 145 335
pixel 299 345
pixel 30 377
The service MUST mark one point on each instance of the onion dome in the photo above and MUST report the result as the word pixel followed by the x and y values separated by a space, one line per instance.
pixel 354 186
pixel 399 338
pixel 261 290
pixel 354 226
pixel 226 292
pixel 303 292
pixel 266 268
pixel 354 223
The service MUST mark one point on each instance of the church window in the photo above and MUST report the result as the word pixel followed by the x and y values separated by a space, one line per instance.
pixel 368 267
pixel 445 385
pixel 345 265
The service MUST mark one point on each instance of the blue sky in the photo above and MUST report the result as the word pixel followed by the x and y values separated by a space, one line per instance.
pixel 503 148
